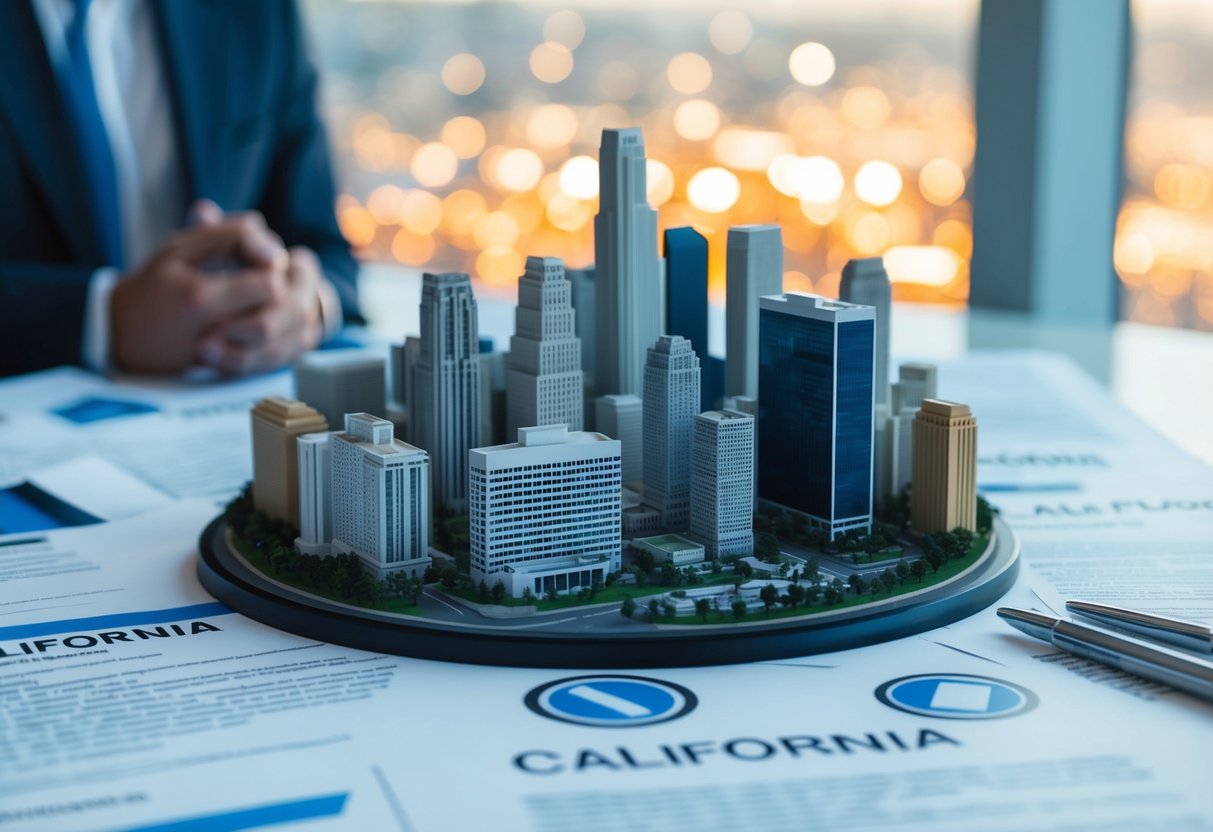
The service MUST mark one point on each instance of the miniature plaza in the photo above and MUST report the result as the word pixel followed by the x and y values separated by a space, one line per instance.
pixel 606 467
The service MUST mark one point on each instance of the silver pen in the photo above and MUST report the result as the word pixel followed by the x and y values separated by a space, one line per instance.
pixel 1161 664
pixel 1183 634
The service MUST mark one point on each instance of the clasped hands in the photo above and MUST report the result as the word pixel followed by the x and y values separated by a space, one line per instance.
pixel 257 312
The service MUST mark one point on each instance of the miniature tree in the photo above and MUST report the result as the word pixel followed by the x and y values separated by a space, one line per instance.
pixel 857 583
pixel 985 516
pixel 498 592
pixel 888 580
pixel 668 609
pixel 903 572
pixel 796 594
pixel 918 569
pixel 739 609
pixel 482 593
pixel 702 607
pixel 628 609
pixel 770 596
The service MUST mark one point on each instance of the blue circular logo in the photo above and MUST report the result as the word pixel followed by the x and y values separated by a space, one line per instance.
pixel 611 701
pixel 956 696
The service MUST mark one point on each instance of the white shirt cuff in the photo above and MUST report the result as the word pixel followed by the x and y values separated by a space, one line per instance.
pixel 95 340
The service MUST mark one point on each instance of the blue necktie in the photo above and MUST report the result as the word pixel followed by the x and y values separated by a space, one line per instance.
pixel 80 96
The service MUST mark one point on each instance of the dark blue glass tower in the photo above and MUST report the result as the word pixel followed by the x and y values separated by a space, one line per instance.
pixel 815 377
pixel 686 298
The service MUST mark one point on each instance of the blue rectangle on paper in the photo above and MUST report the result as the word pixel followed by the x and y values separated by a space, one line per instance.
pixel 102 622
pixel 99 408
pixel 258 816
pixel 27 508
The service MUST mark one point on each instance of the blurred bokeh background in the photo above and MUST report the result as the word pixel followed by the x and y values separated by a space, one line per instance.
pixel 467 133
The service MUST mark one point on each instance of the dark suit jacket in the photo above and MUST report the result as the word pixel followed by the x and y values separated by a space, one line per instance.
pixel 244 92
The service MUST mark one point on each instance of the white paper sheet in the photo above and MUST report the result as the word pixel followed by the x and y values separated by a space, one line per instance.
pixel 242 718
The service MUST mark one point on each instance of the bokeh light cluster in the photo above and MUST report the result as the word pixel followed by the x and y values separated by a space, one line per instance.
pixel 467 135
pixel 1164 235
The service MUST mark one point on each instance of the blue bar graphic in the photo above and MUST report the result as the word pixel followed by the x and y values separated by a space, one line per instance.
pixel 256 817
pixel 102 622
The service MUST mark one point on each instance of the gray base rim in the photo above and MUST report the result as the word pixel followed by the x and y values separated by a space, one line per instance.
pixel 243 589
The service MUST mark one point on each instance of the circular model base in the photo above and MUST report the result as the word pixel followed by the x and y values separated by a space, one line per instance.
pixel 595 638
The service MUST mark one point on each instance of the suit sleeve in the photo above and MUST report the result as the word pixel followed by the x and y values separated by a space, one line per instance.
pixel 41 314
pixel 299 195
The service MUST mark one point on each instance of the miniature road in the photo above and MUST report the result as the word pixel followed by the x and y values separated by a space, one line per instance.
pixel 435 605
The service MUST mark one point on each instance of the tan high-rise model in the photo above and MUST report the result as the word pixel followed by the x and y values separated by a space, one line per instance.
pixel 276 424
pixel 944 493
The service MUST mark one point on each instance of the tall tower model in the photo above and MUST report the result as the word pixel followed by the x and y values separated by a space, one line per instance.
pixel 381 505
pixel 815 409
pixel 754 268
pixel 446 383
pixel 945 468
pixel 544 512
pixel 722 482
pixel 628 298
pixel 671 400
pixel 544 381
pixel 866 282
pixel 276 423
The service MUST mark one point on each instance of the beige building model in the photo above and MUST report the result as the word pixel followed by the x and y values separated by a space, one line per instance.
pixel 945 468
pixel 277 422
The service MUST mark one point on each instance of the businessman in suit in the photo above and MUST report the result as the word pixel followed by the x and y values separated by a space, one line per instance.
pixel 166 196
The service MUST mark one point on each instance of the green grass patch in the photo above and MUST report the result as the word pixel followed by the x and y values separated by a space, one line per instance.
pixel 260 561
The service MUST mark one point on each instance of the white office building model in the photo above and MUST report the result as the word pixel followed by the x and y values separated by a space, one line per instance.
pixel 753 268
pixel 544 511
pixel 671 400
pixel 446 402
pixel 315 493
pixel 916 383
pixel 629 302
pixel 544 381
pixel 722 482
pixel 622 417
pixel 381 497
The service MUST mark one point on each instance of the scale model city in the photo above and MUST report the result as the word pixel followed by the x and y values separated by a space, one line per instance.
pixel 789 479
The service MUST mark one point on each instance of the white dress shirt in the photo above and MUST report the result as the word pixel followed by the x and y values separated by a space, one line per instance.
pixel 136 107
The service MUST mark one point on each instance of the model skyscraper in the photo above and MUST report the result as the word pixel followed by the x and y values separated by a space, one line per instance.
pixel 315 493
pixel 722 482
pixel 628 300
pixel 815 409
pixel 545 511
pixel 276 423
pixel 686 304
pixel 381 497
pixel 945 468
pixel 622 418
pixel 544 380
pixel 916 383
pixel 671 400
pixel 866 282
pixel 754 269
pixel 446 383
